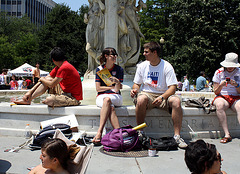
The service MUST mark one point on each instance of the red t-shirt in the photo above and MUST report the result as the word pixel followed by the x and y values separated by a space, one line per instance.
pixel 71 82
pixel 28 82
pixel 13 84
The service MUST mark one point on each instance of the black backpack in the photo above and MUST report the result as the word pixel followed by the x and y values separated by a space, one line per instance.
pixel 48 132
pixel 161 144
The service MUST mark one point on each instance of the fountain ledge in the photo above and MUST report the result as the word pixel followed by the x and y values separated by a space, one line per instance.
pixel 14 118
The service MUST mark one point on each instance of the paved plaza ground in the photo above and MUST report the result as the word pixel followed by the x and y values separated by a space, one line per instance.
pixel 165 162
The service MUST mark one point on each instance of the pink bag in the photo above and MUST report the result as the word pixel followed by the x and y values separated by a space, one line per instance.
pixel 122 139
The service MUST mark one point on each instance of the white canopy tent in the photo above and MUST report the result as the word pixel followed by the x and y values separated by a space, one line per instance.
pixel 26 70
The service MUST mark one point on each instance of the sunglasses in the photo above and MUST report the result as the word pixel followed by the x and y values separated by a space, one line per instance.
pixel 113 54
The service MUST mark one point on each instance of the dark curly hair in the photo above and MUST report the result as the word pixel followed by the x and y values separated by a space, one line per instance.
pixel 107 51
pixel 200 156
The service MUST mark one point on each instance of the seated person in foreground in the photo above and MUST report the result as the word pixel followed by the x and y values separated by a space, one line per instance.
pixel 63 81
pixel 226 83
pixel 54 157
pixel 108 96
pixel 159 83
pixel 203 158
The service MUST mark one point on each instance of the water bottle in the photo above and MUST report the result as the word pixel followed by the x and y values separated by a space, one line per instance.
pixel 28 132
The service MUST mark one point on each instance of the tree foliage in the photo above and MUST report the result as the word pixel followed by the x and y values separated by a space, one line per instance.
pixel 66 29
pixel 7 53
pixel 198 33
pixel 201 33
pixel 154 20
pixel 17 41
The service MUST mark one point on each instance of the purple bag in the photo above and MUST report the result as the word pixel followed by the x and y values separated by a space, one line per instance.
pixel 122 139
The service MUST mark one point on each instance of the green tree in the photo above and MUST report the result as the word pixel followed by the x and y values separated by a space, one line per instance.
pixel 14 27
pixel 18 41
pixel 201 33
pixel 66 29
pixel 154 20
pixel 7 53
pixel 26 48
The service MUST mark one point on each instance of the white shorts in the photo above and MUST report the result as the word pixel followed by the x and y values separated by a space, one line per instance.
pixel 116 99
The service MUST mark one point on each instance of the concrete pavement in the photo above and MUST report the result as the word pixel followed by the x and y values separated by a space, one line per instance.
pixel 171 162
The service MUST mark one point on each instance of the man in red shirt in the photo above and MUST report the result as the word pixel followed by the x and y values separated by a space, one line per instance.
pixel 63 81
pixel 28 82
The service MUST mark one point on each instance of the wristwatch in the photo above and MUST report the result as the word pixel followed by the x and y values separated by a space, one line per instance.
pixel 161 97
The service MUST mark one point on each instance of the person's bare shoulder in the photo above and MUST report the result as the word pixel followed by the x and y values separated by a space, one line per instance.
pixel 38 170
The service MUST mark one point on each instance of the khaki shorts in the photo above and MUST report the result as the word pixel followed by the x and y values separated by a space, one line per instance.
pixel 61 98
pixel 151 97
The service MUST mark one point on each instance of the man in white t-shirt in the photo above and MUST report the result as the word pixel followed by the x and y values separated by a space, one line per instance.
pixel 158 81
pixel 3 77
pixel 185 86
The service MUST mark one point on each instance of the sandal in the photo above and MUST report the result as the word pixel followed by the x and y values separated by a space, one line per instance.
pixel 226 139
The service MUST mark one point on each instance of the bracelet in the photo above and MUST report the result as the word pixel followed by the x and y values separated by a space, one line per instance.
pixel 237 86
pixel 161 97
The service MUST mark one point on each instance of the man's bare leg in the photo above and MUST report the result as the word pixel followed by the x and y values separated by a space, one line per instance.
pixel 177 114
pixel 141 108
pixel 36 91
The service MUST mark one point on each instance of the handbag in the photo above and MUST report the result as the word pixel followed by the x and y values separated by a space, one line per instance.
pixel 123 139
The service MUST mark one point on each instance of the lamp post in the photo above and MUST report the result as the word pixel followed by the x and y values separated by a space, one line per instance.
pixel 161 44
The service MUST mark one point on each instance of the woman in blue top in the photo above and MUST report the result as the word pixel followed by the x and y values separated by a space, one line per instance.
pixel 108 96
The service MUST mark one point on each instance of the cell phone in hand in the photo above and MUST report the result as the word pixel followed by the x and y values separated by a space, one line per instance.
pixel 228 80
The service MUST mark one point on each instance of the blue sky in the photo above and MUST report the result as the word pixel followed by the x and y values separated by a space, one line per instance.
pixel 75 4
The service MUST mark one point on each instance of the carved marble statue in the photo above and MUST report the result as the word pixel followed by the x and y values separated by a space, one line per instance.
pixel 95 32
pixel 129 33
pixel 128 37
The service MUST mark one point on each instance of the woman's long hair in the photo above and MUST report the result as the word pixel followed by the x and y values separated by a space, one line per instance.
pixel 107 51
pixel 57 148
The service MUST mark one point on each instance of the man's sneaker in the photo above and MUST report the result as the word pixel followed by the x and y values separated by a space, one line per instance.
pixel 181 143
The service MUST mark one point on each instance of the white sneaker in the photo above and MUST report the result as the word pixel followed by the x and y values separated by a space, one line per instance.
pixel 181 143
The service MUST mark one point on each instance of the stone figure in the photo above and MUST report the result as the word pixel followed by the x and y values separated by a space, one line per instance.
pixel 129 33
pixel 128 37
pixel 95 32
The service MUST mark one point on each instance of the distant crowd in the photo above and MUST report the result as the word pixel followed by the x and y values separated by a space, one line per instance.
pixel 203 84
pixel 15 83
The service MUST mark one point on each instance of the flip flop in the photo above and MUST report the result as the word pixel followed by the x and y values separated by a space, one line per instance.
pixel 226 140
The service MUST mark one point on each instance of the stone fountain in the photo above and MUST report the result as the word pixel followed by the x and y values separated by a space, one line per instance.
pixel 113 23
